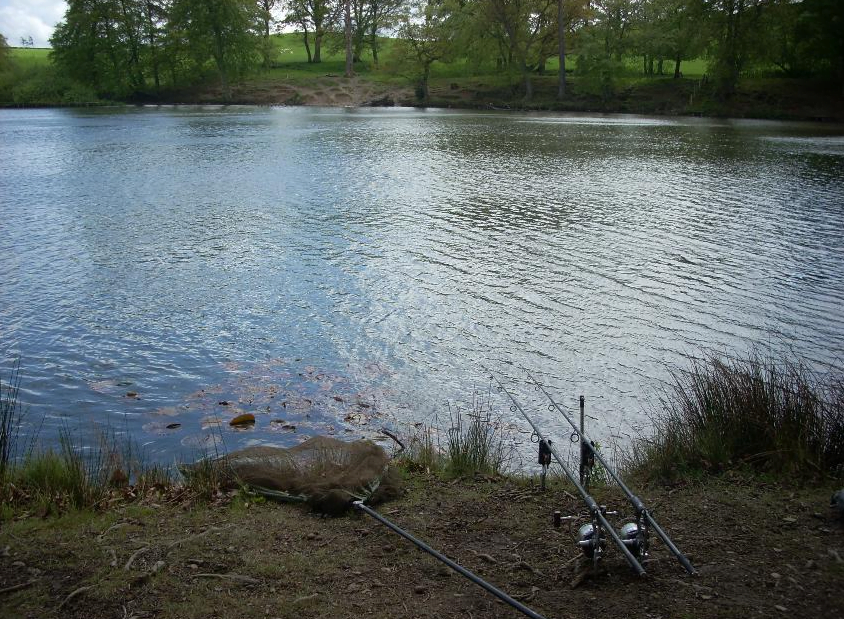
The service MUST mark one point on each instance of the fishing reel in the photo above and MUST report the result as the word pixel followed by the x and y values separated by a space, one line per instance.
pixel 591 538
pixel 634 535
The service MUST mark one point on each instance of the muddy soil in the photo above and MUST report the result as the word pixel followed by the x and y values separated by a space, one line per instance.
pixel 761 549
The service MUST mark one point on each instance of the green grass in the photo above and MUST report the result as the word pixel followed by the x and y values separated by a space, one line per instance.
pixel 770 416
pixel 31 57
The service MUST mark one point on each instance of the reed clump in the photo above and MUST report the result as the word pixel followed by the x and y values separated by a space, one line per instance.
pixel 771 416
pixel 474 442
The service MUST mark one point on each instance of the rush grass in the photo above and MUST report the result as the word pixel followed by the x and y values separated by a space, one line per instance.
pixel 768 415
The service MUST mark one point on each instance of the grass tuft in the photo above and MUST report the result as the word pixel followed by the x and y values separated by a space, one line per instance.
pixel 755 412
pixel 475 442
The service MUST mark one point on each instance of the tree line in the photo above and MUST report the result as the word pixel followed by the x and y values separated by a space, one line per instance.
pixel 128 48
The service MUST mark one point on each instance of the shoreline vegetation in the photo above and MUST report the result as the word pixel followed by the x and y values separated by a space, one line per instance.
pixel 744 456
pixel 295 84
pixel 760 59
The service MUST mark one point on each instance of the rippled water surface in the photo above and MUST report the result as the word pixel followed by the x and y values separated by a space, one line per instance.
pixel 336 270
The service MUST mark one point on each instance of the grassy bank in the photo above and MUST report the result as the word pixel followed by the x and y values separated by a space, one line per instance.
pixel 762 549
pixel 772 416
pixel 754 415
pixel 32 81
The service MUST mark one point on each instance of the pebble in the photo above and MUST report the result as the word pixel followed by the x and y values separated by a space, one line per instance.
pixel 782 609
pixel 19 564
pixel 419 589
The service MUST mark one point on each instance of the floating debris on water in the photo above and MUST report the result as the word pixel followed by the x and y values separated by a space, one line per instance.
pixel 271 398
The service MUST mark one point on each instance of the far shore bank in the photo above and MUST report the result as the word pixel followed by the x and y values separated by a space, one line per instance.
pixel 780 99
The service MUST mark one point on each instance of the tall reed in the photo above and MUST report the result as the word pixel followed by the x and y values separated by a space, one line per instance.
pixel 10 415
pixel 773 416
pixel 475 442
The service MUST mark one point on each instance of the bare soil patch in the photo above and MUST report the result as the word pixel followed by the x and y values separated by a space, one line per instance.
pixel 762 550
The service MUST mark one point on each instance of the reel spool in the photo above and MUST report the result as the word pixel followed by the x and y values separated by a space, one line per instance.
pixel 590 541
pixel 635 537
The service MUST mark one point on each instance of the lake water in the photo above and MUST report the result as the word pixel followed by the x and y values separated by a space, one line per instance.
pixel 337 270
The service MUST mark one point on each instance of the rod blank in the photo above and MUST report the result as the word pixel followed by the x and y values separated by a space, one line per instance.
pixel 594 508
pixel 457 568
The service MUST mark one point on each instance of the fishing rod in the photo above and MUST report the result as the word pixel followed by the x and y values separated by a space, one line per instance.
pixel 593 543
pixel 457 568
pixel 644 519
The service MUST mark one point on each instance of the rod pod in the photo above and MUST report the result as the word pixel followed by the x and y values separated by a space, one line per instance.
pixel 644 520
pixel 596 513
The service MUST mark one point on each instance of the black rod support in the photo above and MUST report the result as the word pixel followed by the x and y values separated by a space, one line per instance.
pixel 457 568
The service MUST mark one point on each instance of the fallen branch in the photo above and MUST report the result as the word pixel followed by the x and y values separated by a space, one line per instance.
pixel 134 556
pixel 74 594
pixel 192 537
pixel 18 587
pixel 237 577
pixel 394 437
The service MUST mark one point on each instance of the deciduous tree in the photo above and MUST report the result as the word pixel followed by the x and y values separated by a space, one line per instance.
pixel 223 31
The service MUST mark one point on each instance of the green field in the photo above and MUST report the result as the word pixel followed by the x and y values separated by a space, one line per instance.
pixel 31 57
pixel 290 63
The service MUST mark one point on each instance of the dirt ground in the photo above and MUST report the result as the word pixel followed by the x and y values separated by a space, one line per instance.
pixel 762 550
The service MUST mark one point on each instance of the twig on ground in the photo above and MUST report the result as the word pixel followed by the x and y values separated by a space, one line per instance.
pixel 116 525
pixel 484 556
pixel 237 577
pixel 134 556
pixel 192 537
pixel 305 598
pixel 73 594
pixel 17 587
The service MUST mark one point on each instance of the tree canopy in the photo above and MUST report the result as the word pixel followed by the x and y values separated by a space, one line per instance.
pixel 126 48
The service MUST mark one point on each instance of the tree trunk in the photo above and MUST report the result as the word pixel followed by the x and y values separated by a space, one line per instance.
pixel 426 72
pixel 220 59
pixel 659 67
pixel 677 73
pixel 318 46
pixel 528 82
pixel 373 43
pixel 307 45
pixel 561 41
pixel 350 71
